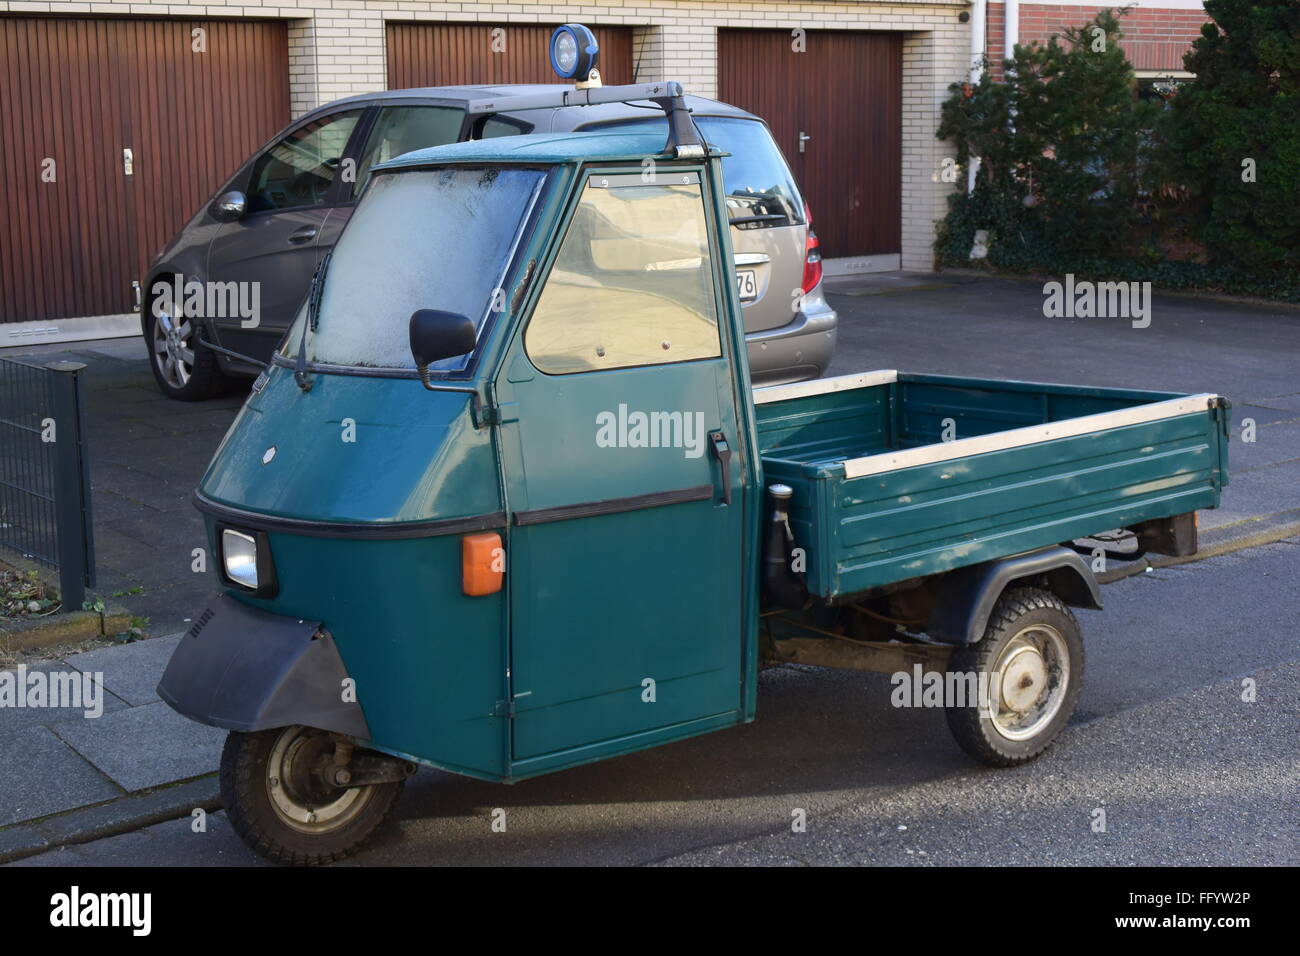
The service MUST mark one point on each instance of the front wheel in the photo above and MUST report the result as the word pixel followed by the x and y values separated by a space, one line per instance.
pixel 281 801
pixel 1030 665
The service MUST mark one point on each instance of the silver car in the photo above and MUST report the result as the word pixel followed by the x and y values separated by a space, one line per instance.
pixel 228 286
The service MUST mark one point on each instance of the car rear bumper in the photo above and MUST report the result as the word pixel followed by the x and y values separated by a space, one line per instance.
pixel 798 351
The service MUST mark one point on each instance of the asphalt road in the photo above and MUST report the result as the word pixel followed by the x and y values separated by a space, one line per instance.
pixel 1185 769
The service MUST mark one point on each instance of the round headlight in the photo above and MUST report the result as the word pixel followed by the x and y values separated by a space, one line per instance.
pixel 574 51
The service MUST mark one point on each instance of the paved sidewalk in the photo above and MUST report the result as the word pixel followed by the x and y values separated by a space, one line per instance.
pixel 72 776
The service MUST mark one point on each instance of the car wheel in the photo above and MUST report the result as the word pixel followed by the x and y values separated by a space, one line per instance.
pixel 182 366
pixel 1033 651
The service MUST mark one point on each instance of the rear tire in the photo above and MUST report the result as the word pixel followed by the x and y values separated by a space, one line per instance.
pixel 1034 646
pixel 288 813
pixel 183 368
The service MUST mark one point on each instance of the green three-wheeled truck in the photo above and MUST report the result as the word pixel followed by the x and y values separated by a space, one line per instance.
pixel 505 502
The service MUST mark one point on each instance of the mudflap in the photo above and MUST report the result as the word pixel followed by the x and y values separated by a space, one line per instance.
pixel 245 669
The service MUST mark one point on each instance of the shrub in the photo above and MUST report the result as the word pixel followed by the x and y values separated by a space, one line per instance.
pixel 1060 143
pixel 1077 174
pixel 1242 110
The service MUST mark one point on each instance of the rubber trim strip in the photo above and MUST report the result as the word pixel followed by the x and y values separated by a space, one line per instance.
pixel 610 506
pixel 359 530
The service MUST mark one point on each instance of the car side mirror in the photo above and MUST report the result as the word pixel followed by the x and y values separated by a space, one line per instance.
pixel 230 206
pixel 438 335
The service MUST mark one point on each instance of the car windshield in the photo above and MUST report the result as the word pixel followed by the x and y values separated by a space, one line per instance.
pixel 760 190
pixel 419 239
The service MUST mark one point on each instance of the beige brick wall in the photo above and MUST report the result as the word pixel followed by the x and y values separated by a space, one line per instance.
pixel 336 48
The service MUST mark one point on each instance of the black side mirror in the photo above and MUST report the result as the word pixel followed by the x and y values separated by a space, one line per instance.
pixel 230 206
pixel 438 335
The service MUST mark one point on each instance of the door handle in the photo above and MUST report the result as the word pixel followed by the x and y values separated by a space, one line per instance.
pixel 722 452
pixel 303 235
pixel 803 138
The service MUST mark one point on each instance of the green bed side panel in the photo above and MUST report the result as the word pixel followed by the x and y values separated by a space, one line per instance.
pixel 877 529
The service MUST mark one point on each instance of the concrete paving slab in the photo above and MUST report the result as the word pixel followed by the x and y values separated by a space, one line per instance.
pixel 145 746
pixel 43 775
pixel 18 718
pixel 130 671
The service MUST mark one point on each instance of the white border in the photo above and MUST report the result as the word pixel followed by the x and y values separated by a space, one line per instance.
pixel 821 386
pixel 1029 435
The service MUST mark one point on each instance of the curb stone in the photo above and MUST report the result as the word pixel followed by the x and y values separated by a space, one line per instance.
pixel 123 815
pixel 65 627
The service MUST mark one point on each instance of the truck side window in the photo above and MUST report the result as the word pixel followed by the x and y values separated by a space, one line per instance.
pixel 632 283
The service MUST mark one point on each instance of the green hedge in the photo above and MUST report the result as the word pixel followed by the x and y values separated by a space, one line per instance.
pixel 1079 175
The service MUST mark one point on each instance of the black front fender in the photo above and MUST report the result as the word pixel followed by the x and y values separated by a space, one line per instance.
pixel 966 597
pixel 245 669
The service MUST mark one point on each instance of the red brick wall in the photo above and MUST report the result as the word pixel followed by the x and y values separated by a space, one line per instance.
pixel 996 34
pixel 1154 39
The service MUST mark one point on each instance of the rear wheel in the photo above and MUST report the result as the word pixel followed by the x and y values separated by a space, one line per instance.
pixel 1032 654
pixel 279 796
pixel 182 366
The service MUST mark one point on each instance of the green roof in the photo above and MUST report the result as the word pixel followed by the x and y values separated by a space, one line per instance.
pixel 538 148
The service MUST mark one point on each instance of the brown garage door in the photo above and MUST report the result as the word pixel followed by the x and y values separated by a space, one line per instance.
pixel 452 54
pixel 75 93
pixel 844 93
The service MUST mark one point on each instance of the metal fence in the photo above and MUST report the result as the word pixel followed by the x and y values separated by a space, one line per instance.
pixel 44 474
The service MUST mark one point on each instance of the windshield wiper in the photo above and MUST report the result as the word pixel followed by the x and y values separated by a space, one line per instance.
pixel 311 319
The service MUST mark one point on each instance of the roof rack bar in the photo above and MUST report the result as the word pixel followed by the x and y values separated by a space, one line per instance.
pixel 683 138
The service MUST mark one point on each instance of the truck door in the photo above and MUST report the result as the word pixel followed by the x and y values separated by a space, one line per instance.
pixel 619 436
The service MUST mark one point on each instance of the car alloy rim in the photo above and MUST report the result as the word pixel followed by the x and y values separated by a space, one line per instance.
pixel 1031 677
pixel 172 350
pixel 300 795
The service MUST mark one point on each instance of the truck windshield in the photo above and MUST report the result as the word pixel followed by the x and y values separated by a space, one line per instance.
pixel 423 239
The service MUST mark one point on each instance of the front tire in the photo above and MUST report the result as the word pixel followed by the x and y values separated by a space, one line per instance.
pixel 1032 652
pixel 282 806
pixel 183 368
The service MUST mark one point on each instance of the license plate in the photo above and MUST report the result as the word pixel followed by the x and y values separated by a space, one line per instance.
pixel 747 284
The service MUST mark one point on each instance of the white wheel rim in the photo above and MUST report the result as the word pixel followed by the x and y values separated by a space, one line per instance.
pixel 1031 678
pixel 294 809
pixel 173 352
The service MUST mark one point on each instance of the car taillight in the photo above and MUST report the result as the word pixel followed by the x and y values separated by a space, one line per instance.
pixel 812 263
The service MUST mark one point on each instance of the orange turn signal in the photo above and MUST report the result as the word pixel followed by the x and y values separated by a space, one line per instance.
pixel 482 563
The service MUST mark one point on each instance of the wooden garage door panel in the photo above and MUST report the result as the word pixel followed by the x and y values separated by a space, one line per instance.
pixel 79 91
pixel 459 54
pixel 845 92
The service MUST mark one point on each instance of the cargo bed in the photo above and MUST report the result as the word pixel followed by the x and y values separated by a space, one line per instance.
pixel 880 496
